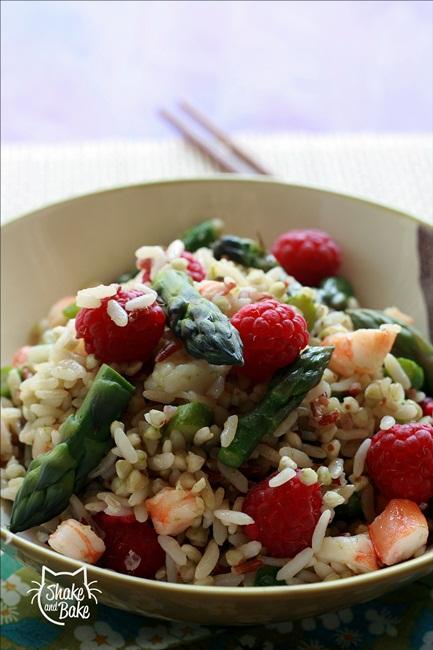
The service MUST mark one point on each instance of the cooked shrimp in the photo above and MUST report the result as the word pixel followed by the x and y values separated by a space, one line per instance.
pixel 356 552
pixel 78 541
pixel 399 531
pixel 21 356
pixel 172 511
pixel 211 288
pixel 56 315
pixel 362 351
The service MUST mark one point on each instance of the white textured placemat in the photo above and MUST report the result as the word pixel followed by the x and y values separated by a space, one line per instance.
pixel 393 169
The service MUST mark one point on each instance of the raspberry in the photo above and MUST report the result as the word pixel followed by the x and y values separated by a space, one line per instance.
pixel 308 255
pixel 427 406
pixel 272 334
pixel 130 546
pixel 194 268
pixel 109 342
pixel 284 516
pixel 400 461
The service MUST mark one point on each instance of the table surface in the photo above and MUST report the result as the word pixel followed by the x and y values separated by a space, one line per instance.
pixel 392 169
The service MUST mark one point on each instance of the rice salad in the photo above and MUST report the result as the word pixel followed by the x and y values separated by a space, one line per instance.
pixel 222 415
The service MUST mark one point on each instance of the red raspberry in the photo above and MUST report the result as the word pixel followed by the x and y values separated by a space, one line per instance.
pixel 130 546
pixel 109 342
pixel 400 461
pixel 308 255
pixel 272 333
pixel 427 406
pixel 284 516
pixel 194 268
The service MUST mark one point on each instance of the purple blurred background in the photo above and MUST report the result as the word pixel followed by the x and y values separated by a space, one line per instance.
pixel 80 70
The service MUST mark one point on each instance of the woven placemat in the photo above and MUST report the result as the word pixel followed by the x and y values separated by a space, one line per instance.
pixel 393 169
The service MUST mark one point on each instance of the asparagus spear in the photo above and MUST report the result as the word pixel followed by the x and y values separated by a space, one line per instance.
pixel 53 477
pixel 244 251
pixel 286 391
pixel 189 418
pixel 336 292
pixel 305 303
pixel 409 342
pixel 203 234
pixel 413 371
pixel 205 330
pixel 4 391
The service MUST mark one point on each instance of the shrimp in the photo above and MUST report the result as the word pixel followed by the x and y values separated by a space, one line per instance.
pixel 56 315
pixel 78 541
pixel 172 511
pixel 362 351
pixel 399 531
pixel 356 552
pixel 21 356
pixel 211 288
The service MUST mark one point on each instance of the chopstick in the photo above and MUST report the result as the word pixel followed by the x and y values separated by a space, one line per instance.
pixel 221 149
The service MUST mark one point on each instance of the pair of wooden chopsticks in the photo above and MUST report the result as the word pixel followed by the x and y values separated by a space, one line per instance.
pixel 208 138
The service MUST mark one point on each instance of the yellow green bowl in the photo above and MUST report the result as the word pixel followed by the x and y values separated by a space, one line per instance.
pixel 56 250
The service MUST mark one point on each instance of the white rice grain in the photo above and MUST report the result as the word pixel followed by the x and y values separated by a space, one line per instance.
pixel 141 302
pixel 386 422
pixel 320 531
pixel 122 442
pixel 282 477
pixel 202 436
pixel 172 548
pixel 91 297
pixel 208 561
pixel 228 580
pixel 396 372
pixel 175 249
pixel 295 565
pixel 360 457
pixel 234 476
pixel 229 431
pixel 228 517
pixel 286 424
pixel 250 549
pixel 117 314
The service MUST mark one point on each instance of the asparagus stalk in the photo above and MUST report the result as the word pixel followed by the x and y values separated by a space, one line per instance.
pixel 53 477
pixel 189 418
pixel 409 342
pixel 203 234
pixel 336 292
pixel 244 251
pixel 205 330
pixel 286 391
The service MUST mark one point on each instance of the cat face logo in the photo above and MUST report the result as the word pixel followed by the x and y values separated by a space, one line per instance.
pixel 59 603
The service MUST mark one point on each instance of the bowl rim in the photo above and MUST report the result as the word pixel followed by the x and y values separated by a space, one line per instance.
pixel 423 563
pixel 220 178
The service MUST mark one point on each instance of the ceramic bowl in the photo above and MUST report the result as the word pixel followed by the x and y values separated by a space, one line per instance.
pixel 56 250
